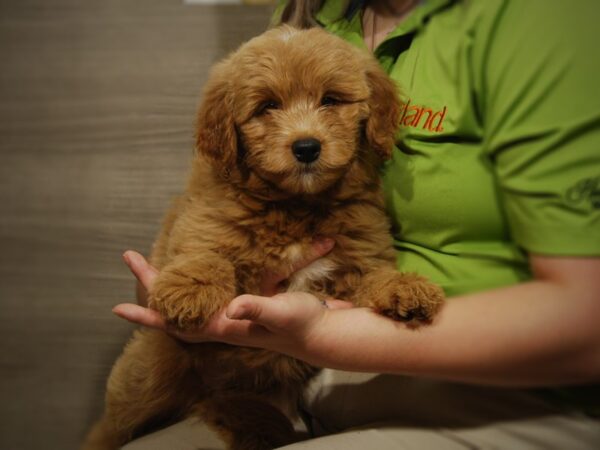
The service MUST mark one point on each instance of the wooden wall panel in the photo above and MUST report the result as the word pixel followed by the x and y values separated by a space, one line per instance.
pixel 97 103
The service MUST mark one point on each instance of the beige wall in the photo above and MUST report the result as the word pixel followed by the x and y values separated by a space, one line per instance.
pixel 97 99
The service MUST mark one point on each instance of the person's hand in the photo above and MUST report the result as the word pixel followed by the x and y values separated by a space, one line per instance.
pixel 260 321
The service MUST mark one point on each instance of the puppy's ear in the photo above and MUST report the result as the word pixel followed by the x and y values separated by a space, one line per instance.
pixel 384 111
pixel 216 134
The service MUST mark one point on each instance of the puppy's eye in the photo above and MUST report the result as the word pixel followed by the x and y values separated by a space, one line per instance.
pixel 266 106
pixel 328 100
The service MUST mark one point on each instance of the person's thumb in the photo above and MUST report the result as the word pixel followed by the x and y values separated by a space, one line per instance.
pixel 262 310
pixel 247 307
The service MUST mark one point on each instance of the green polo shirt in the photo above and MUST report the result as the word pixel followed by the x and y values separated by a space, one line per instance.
pixel 500 147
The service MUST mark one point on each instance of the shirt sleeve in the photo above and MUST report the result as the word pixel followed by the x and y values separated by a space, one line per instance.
pixel 277 12
pixel 540 108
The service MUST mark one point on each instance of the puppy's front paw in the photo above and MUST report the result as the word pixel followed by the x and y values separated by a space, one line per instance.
pixel 187 295
pixel 408 298
pixel 411 298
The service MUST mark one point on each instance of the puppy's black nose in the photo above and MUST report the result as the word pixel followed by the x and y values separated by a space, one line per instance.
pixel 306 150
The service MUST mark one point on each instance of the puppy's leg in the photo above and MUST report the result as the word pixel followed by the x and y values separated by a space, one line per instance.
pixel 190 289
pixel 150 383
pixel 247 422
pixel 402 296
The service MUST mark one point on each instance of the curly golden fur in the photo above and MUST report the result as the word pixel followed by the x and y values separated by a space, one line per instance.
pixel 253 205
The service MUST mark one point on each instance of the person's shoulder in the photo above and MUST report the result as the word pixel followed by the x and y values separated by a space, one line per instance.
pixel 277 12
pixel 554 29
pixel 572 17
pixel 329 10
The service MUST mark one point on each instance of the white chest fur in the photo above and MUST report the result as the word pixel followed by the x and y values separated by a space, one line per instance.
pixel 302 279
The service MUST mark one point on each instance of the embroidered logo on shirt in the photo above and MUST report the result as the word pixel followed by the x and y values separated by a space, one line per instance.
pixel 584 190
pixel 417 116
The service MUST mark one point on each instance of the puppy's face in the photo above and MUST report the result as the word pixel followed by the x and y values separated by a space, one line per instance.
pixel 296 110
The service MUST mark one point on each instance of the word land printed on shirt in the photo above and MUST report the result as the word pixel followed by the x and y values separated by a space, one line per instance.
pixel 423 117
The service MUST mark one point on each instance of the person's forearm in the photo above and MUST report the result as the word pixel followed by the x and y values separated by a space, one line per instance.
pixel 544 332
pixel 530 334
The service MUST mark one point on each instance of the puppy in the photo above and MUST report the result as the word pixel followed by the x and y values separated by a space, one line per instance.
pixel 290 136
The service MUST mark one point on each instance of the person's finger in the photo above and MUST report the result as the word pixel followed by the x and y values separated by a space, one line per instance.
pixel 140 315
pixel 141 294
pixel 142 270
pixel 237 332
pixel 333 303
pixel 319 247
pixel 194 336
pixel 273 313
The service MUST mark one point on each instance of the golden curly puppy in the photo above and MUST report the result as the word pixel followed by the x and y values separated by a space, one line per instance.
pixel 291 132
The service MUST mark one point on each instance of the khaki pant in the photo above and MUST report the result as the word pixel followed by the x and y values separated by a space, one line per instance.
pixel 354 411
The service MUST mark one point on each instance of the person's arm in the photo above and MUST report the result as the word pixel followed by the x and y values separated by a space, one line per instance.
pixel 542 332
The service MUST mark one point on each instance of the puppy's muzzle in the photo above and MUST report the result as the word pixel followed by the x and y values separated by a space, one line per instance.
pixel 306 150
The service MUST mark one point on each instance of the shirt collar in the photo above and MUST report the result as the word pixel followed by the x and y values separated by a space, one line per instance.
pixel 336 10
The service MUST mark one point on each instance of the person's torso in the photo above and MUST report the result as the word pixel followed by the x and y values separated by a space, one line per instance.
pixel 440 186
